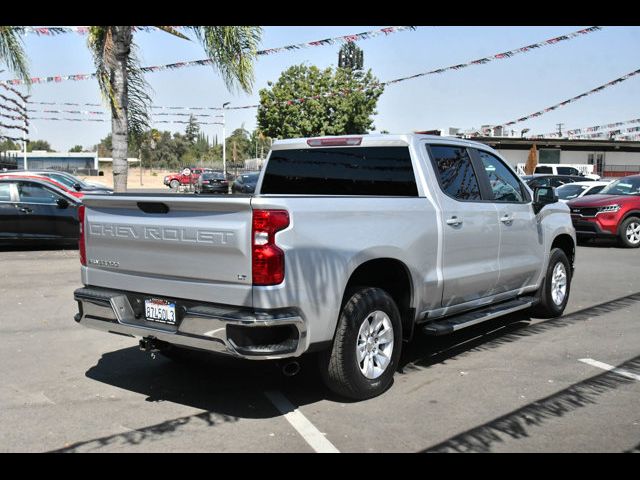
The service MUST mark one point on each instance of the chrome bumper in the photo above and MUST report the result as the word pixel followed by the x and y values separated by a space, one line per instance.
pixel 199 326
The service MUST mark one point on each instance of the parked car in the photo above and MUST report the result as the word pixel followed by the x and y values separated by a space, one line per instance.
pixel 71 182
pixel 535 181
pixel 35 211
pixel 187 176
pixel 69 191
pixel 348 246
pixel 245 183
pixel 554 169
pixel 613 213
pixel 570 191
pixel 212 182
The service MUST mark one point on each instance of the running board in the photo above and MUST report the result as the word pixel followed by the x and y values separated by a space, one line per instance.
pixel 474 317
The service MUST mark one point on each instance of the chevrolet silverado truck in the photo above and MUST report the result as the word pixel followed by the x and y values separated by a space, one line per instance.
pixel 348 246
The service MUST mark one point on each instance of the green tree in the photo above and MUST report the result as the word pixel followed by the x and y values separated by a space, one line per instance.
pixel 348 110
pixel 39 145
pixel 351 56
pixel 9 145
pixel 77 148
pixel 192 130
pixel 238 146
pixel 232 50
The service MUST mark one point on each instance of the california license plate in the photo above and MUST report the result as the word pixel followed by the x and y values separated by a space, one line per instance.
pixel 162 311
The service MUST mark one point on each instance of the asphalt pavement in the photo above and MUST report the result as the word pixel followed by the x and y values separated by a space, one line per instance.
pixel 515 384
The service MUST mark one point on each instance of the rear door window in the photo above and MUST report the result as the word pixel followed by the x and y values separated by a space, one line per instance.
pixel 5 192
pixel 567 171
pixel 455 172
pixel 374 171
pixel 544 170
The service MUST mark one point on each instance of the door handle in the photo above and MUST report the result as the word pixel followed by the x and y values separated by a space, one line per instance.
pixel 506 219
pixel 25 209
pixel 454 221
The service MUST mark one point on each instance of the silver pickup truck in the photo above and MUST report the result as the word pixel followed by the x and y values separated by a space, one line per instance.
pixel 348 246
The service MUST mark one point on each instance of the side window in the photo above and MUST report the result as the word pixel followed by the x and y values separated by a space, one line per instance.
pixel 556 182
pixel 31 193
pixel 5 192
pixel 568 171
pixel 595 190
pixel 457 178
pixel 544 170
pixel 504 184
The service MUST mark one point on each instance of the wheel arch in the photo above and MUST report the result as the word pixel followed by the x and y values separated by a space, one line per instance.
pixel 391 275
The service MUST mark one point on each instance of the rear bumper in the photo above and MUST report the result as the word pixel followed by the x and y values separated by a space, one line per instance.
pixel 235 331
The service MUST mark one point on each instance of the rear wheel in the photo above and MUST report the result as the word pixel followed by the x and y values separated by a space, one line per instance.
pixel 174 184
pixel 554 292
pixel 366 347
pixel 629 232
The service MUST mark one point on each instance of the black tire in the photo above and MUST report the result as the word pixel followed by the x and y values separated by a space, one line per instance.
pixel 547 307
pixel 622 236
pixel 174 184
pixel 339 365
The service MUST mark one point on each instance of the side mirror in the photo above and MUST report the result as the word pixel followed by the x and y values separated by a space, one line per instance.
pixel 62 203
pixel 77 186
pixel 543 196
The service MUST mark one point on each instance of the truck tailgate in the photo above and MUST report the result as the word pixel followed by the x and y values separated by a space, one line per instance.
pixel 178 246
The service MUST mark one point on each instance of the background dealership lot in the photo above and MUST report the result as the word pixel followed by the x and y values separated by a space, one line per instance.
pixel 512 384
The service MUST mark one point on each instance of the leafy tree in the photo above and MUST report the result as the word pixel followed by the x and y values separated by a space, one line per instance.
pixel 351 56
pixel 232 50
pixel 238 146
pixel 9 145
pixel 77 148
pixel 192 130
pixel 349 112
pixel 39 145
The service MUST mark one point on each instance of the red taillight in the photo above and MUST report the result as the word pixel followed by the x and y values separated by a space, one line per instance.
pixel 267 258
pixel 81 240
pixel 334 141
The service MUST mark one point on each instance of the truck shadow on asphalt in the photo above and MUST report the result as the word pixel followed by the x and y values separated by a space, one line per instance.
pixel 230 389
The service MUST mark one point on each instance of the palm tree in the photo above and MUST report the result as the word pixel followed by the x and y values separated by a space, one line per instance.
pixel 12 53
pixel 232 50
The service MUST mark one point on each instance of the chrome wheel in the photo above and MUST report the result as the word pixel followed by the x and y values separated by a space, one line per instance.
pixel 633 233
pixel 375 344
pixel 559 283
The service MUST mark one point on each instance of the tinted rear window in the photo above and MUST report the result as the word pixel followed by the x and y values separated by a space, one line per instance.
pixel 208 176
pixel 379 171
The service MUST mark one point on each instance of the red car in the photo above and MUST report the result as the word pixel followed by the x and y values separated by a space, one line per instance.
pixel 62 187
pixel 188 176
pixel 614 213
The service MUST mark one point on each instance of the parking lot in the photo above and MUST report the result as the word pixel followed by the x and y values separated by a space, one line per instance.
pixel 514 384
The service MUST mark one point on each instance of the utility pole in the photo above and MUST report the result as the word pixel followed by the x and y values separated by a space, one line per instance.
pixel 559 125
pixel 224 142
pixel 24 137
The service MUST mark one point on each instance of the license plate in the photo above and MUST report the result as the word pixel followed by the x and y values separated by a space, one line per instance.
pixel 162 311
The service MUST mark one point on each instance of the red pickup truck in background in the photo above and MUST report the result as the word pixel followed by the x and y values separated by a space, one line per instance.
pixel 188 176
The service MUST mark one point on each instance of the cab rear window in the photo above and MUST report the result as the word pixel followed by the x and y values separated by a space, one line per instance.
pixel 373 171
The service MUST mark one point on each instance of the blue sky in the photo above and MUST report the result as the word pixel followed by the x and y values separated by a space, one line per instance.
pixel 494 93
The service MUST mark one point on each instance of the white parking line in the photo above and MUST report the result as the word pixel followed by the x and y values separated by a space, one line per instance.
pixel 605 366
pixel 303 426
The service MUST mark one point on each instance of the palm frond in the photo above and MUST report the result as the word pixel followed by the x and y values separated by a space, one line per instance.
pixel 138 115
pixel 172 31
pixel 13 54
pixel 233 50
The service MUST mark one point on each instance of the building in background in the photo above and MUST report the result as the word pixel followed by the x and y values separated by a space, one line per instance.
pixel 83 163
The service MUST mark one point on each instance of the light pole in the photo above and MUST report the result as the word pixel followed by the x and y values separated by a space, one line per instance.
pixel 224 142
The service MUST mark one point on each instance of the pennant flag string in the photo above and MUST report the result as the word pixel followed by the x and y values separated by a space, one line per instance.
pixel 58 119
pixel 207 61
pixel 579 131
pixel 573 99
pixel 16 127
pixel 93 112
pixel 13 139
pixel 83 30
pixel 498 56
